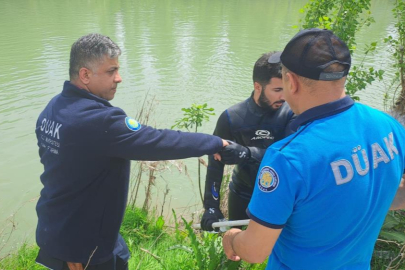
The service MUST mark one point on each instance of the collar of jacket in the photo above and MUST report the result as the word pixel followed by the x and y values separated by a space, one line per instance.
pixel 71 90
pixel 322 111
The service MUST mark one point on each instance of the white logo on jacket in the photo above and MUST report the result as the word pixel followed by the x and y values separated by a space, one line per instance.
pixel 50 128
pixel 262 134
pixel 343 169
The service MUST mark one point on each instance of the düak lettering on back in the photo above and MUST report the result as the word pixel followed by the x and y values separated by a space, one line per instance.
pixel 343 168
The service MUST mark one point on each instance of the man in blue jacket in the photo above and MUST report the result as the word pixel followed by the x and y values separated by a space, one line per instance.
pixel 322 193
pixel 86 145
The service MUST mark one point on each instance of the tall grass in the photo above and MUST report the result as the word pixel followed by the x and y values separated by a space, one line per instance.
pixel 22 259
pixel 155 245
pixel 180 247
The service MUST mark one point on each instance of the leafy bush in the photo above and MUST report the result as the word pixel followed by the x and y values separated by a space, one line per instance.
pixel 345 18
pixel 195 116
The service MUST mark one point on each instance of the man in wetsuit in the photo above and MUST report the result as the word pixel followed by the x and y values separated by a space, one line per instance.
pixel 254 124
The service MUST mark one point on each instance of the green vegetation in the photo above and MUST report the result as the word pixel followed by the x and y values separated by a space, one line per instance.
pixel 345 18
pixel 195 116
pixel 396 43
pixel 23 259
pixel 155 245
pixel 389 251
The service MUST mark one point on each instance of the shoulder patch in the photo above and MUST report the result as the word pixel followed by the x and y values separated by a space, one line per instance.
pixel 215 194
pixel 132 124
pixel 268 179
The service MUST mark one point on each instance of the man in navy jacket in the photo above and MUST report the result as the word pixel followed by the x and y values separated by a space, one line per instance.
pixel 86 145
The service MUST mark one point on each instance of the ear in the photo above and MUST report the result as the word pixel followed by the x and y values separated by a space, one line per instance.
pixel 258 90
pixel 84 75
pixel 258 87
pixel 293 82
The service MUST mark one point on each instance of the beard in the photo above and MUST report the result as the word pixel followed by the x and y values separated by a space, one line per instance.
pixel 266 104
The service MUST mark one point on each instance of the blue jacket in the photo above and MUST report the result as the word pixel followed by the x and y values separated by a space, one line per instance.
pixel 329 186
pixel 86 145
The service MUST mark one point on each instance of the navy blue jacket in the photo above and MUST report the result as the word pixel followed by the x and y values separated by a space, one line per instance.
pixel 86 145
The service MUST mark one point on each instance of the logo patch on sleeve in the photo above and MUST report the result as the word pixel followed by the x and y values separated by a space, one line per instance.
pixel 215 194
pixel 132 124
pixel 268 179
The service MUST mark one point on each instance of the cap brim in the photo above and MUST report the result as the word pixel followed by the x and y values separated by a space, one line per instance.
pixel 275 58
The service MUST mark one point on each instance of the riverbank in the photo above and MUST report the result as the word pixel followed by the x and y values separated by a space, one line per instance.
pixel 153 245
pixel 156 245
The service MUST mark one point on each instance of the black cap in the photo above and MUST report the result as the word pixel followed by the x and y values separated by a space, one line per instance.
pixel 313 50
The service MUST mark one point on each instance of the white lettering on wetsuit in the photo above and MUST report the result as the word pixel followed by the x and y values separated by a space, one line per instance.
pixel 262 135
pixel 343 170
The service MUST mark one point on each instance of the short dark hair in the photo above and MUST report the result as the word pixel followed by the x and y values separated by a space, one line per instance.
pixel 90 49
pixel 263 71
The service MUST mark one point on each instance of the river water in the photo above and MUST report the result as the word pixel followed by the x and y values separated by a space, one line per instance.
pixel 178 51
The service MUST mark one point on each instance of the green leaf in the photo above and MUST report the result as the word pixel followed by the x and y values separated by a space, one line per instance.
pixel 195 245
pixel 176 226
pixel 160 222
pixel 393 236
pixel 389 222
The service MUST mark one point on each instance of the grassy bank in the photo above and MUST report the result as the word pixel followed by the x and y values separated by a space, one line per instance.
pixel 154 245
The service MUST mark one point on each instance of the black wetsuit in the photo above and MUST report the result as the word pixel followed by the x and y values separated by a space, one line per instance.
pixel 250 125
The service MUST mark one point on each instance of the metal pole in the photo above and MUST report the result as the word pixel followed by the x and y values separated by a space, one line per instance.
pixel 230 223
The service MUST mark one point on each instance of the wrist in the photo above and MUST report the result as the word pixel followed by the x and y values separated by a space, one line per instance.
pixel 248 154
pixel 232 236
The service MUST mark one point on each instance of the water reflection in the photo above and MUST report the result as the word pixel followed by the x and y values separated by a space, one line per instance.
pixel 179 51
